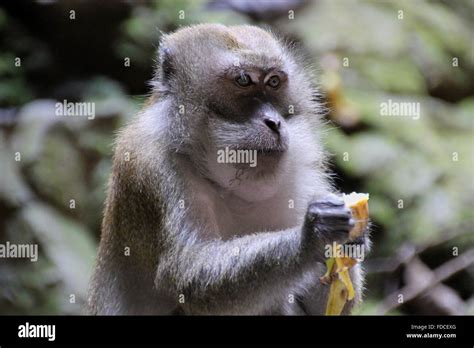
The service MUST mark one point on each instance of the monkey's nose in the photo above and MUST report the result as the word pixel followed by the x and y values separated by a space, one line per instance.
pixel 273 125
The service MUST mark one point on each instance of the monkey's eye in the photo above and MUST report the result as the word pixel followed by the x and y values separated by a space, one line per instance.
pixel 274 81
pixel 243 80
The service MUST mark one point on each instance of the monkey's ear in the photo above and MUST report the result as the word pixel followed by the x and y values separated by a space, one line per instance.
pixel 165 61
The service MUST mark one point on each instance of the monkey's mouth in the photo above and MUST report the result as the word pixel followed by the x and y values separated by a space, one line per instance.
pixel 273 151
pixel 269 148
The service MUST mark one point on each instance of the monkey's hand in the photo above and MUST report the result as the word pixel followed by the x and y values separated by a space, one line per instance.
pixel 328 220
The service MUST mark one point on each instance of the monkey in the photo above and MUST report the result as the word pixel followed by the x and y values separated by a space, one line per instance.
pixel 185 233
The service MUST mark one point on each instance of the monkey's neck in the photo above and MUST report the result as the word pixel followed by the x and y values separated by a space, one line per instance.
pixel 229 215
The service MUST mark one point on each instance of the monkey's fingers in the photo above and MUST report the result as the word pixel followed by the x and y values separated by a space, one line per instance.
pixel 332 222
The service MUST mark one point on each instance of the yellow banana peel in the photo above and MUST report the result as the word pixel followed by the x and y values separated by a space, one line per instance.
pixel 337 273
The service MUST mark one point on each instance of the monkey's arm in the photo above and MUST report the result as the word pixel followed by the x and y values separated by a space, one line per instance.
pixel 218 276
pixel 251 271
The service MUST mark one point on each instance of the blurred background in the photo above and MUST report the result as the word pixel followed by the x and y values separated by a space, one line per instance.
pixel 419 172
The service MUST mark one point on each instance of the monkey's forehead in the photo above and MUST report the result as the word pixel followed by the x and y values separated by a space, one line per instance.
pixel 244 40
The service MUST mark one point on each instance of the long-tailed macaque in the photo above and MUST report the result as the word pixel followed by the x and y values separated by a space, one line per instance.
pixel 219 201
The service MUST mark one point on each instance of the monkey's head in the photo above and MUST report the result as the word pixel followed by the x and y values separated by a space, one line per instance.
pixel 243 107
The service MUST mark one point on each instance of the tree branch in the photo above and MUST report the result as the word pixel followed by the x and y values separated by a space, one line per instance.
pixel 440 274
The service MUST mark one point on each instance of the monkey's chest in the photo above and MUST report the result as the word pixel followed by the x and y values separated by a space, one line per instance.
pixel 262 217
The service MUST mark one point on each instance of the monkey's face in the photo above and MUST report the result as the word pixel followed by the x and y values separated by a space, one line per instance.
pixel 247 130
pixel 251 125
pixel 242 84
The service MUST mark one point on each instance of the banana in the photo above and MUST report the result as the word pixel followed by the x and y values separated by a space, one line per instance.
pixel 337 273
